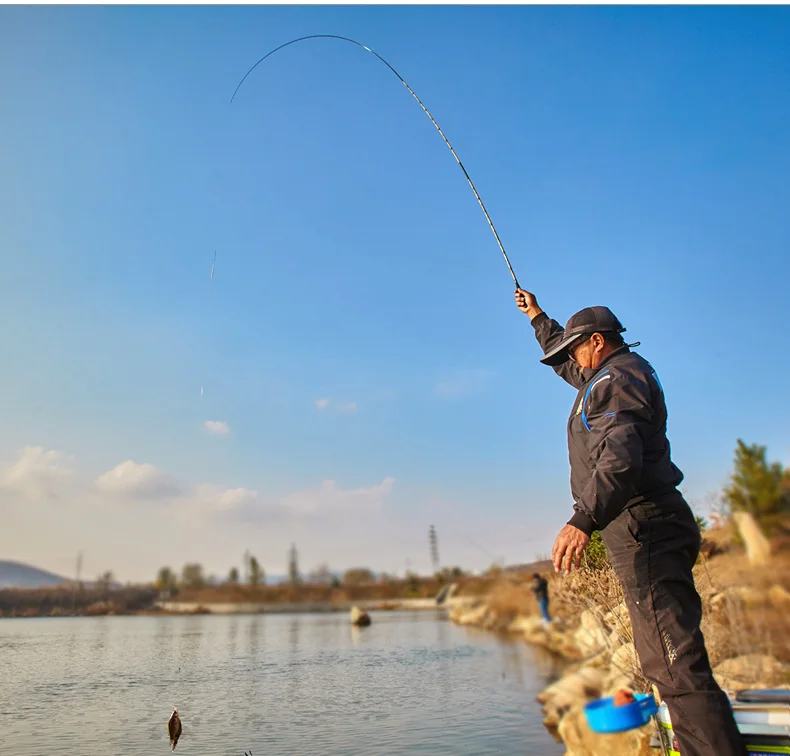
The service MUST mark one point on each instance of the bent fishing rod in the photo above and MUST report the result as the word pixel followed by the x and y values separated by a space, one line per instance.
pixel 419 102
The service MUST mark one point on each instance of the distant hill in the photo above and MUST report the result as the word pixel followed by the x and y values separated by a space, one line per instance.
pixel 544 565
pixel 18 575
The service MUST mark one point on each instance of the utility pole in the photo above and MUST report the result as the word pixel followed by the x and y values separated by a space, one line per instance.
pixel 293 565
pixel 76 582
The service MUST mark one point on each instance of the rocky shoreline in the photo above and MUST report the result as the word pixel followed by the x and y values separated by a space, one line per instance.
pixel 595 644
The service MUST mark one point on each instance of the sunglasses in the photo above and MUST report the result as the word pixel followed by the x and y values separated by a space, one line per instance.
pixel 572 349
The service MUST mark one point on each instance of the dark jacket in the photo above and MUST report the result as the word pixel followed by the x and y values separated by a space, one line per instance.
pixel 617 444
pixel 541 588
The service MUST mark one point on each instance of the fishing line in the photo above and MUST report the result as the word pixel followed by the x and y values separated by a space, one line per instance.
pixel 419 102
pixel 210 289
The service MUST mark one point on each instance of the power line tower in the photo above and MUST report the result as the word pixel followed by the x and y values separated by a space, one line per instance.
pixel 434 545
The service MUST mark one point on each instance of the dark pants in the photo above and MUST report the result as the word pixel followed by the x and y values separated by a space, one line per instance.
pixel 544 608
pixel 653 547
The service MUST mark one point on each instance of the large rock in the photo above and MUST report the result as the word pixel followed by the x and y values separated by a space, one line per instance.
pixel 474 616
pixel 489 620
pixel 591 641
pixel 463 607
pixel 739 596
pixel 580 740
pixel 758 549
pixel 553 636
pixel 519 625
pixel 625 660
pixel 562 644
pixel 751 670
pixel 619 620
pixel 582 685
pixel 589 621
pixel 617 680
pixel 616 639
pixel 780 598
pixel 602 660
pixel 535 631
pixel 359 618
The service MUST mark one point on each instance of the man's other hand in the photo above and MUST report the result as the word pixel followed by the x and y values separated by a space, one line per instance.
pixel 568 548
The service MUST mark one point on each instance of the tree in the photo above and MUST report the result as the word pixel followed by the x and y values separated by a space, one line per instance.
pixel 321 575
pixel 412 580
pixel 166 579
pixel 358 576
pixel 449 574
pixel 759 488
pixel 233 575
pixel 257 576
pixel 192 576
pixel 293 565
pixel 104 580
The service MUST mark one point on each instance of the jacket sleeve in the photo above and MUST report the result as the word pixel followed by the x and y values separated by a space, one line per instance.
pixel 549 333
pixel 617 413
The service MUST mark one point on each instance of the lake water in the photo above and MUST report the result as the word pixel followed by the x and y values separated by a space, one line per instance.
pixel 272 684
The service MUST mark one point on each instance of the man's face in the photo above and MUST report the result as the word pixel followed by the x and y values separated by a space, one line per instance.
pixel 589 353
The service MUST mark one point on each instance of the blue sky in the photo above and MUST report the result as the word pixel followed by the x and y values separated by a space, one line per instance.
pixel 360 327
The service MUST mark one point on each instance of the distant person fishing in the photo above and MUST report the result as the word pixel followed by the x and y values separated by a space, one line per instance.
pixel 540 588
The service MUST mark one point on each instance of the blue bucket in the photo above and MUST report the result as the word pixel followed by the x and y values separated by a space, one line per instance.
pixel 603 716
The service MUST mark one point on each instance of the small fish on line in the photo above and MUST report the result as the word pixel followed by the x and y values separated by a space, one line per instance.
pixel 174 728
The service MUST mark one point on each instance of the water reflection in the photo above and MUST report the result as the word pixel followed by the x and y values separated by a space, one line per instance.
pixel 100 633
pixel 273 684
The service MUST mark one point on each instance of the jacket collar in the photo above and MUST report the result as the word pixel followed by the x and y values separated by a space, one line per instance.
pixel 589 373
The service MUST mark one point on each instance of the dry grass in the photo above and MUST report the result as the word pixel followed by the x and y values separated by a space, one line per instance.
pixel 59 601
pixel 312 592
pixel 511 597
pixel 737 621
pixel 138 599
pixel 738 617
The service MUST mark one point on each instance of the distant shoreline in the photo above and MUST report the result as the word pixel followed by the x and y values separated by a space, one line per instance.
pixel 192 608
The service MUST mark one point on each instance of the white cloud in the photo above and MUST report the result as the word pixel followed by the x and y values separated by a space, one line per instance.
pixel 214 500
pixel 245 504
pixel 131 479
pixel 105 516
pixel 329 498
pixel 461 383
pixel 217 427
pixel 38 473
pixel 322 404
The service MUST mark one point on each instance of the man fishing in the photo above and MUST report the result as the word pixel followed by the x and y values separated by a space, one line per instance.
pixel 624 484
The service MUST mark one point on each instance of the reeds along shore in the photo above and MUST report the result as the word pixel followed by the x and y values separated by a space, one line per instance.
pixel 746 625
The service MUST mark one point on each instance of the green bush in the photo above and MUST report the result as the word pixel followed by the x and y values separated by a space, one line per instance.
pixel 595 555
